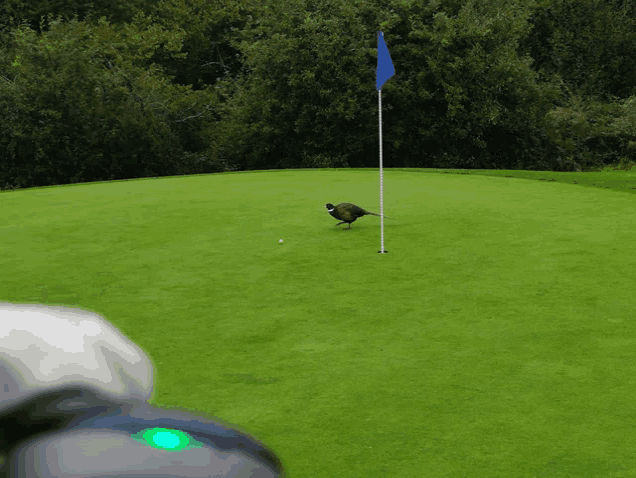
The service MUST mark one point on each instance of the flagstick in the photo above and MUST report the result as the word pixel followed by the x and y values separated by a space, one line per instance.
pixel 381 251
pixel 384 71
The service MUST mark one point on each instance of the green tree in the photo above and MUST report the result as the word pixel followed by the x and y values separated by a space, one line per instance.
pixel 461 89
pixel 78 103
pixel 463 95
pixel 306 97
pixel 36 13
pixel 591 44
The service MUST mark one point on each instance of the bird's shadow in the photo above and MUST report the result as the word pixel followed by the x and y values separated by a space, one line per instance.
pixel 361 226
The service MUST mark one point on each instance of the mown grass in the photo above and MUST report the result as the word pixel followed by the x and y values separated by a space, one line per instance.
pixel 496 338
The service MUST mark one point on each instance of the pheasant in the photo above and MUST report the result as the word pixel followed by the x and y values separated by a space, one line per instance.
pixel 348 212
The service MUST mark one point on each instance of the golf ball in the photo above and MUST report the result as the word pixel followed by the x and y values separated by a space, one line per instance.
pixel 281 241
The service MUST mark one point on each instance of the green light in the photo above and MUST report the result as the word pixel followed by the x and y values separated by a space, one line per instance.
pixel 166 439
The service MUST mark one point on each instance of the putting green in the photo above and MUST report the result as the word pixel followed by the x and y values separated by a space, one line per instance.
pixel 496 339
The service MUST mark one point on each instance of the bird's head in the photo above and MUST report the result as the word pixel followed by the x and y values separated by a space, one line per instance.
pixel 329 207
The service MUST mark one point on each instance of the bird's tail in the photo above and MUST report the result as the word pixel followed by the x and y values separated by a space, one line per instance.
pixel 377 215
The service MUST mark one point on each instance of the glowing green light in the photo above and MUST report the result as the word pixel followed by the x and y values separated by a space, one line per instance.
pixel 166 439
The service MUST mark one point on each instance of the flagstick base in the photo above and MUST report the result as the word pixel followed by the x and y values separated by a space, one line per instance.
pixel 383 252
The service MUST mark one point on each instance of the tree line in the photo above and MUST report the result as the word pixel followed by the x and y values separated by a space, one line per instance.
pixel 125 89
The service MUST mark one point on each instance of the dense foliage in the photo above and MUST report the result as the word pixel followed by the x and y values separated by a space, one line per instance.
pixel 119 89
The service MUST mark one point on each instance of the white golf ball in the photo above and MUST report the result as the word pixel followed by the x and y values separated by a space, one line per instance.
pixel 281 241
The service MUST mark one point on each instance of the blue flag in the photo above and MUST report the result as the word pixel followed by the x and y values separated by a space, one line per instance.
pixel 385 65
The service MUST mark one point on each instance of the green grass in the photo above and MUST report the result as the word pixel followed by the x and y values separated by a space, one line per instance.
pixel 495 339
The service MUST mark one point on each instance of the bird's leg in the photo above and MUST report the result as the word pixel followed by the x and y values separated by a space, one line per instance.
pixel 340 223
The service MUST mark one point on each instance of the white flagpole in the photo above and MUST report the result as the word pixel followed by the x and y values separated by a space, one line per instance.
pixel 381 251
pixel 384 71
